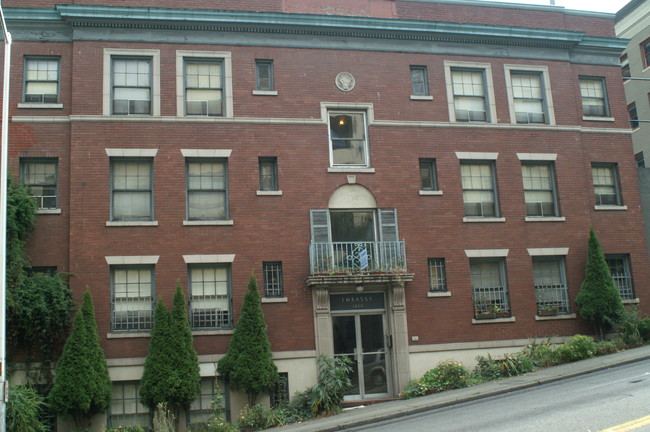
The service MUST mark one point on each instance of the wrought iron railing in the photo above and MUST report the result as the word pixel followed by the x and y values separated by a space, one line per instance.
pixel 357 257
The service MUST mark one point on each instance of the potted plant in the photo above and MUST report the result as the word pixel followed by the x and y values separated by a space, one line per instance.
pixel 547 309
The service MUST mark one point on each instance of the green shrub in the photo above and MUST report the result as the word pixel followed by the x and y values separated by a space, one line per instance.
pixel 447 375
pixel 489 368
pixel 126 429
pixel 577 348
pixel 214 424
pixel 259 417
pixel 633 329
pixel 644 329
pixel 610 346
pixel 539 353
pixel 24 410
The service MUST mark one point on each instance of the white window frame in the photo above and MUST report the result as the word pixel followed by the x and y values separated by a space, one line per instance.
pixel 368 108
pixel 490 103
pixel 478 158
pixel 24 103
pixel 548 106
pixel 552 188
pixel 604 99
pixel 227 97
pixel 615 185
pixel 154 55
pixel 40 199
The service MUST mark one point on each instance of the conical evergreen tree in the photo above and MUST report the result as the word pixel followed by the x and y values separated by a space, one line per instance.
pixel 248 363
pixel 101 382
pixel 598 300
pixel 158 376
pixel 74 389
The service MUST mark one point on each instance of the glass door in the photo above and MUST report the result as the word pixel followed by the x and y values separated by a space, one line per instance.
pixel 360 337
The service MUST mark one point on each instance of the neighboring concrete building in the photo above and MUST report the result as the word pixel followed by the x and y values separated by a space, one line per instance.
pixel 410 181
pixel 633 23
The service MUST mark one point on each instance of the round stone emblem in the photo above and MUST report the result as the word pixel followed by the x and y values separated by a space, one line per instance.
pixel 345 81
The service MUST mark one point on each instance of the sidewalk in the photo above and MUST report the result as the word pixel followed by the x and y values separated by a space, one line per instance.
pixel 390 410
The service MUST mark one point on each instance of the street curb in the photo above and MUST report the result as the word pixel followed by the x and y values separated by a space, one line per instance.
pixel 396 409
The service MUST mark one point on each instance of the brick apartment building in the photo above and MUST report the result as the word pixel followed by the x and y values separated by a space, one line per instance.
pixel 410 181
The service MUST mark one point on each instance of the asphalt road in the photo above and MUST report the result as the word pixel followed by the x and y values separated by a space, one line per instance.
pixel 615 399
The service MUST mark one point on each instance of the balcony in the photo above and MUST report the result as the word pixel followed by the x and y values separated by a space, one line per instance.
pixel 358 262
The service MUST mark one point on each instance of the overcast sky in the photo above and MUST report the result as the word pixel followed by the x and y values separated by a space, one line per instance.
pixel 610 6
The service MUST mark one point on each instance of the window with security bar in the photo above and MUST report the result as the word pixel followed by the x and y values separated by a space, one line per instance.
pixel 437 275
pixel 606 188
pixel 551 293
pixel 204 83
pixel 619 267
pixel 470 101
pixel 594 97
pixel 528 98
pixel 489 290
pixel 273 279
pixel 210 303
pixel 132 78
pixel 201 409
pixel 40 176
pixel 126 409
pixel 207 189
pixel 131 189
pixel 41 84
pixel 539 189
pixel 133 298
pixel 479 188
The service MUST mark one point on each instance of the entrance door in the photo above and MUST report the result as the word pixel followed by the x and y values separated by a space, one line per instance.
pixel 360 337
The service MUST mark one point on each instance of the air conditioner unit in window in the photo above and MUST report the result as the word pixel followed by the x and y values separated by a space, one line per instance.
pixel 40 98
pixel 606 199
pixel 594 110
pixel 528 117
pixel 124 106
pixel 197 107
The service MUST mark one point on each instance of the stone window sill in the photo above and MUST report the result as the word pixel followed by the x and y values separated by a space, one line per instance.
pixel 493 321
pixel 610 207
pixel 545 219
pixel 130 223
pixel 555 317
pixel 430 192
pixel 422 97
pixel 265 92
pixel 126 335
pixel 350 170
pixel 208 222
pixel 483 219
pixel 275 300
pixel 601 119
pixel 268 193
pixel 40 105
pixel 214 332
pixel 631 301
pixel 48 211
pixel 438 294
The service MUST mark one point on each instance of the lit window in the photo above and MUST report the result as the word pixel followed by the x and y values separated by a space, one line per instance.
pixel 133 297
pixel 348 143
pixel 132 85
pixel 40 176
pixel 210 296
pixel 551 292
pixel 264 75
pixel 203 87
pixel 479 188
pixel 605 177
pixel 539 189
pixel 207 186
pixel 419 82
pixel 41 80
pixel 437 275
pixel 594 97
pixel 131 189
pixel 273 279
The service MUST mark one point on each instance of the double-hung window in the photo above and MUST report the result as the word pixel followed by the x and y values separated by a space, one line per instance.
pixel 40 176
pixel 264 75
pixel 273 279
pixel 470 99
pixel 348 139
pixel 126 409
pixel 625 67
pixel 204 87
pixel 489 290
pixel 437 275
pixel 41 84
pixel 619 267
pixel 606 187
pixel 428 177
pixel 133 297
pixel 132 85
pixel 529 94
pixel 268 167
pixel 210 303
pixel 202 409
pixel 645 52
pixel 479 188
pixel 633 115
pixel 551 293
pixel 594 97
pixel 207 189
pixel 419 81
pixel 131 189
pixel 539 189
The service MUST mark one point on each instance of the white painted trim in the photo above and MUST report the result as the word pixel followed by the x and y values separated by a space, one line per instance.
pixel 226 57
pixel 462 346
pixel 48 211
pixel 268 193
pixel 40 105
pixel 349 170
pixel 358 106
pixel 206 153
pixel 430 192
pixel 131 223
pixel 422 97
pixel 610 207
pixel 548 251
pixel 493 321
pixel 537 156
pixel 132 259
pixel 545 219
pixel 208 222
pixel 275 300
pixel 546 82
pixel 478 219
pixel 555 317
pixel 209 259
pixel 265 92
pixel 155 77
pixel 631 301
pixel 486 68
pixel 477 155
pixel 438 294
pixel 121 152
pixel 125 335
pixel 486 253
pixel 602 119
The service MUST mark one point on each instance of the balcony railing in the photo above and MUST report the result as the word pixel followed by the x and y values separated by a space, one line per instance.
pixel 357 257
